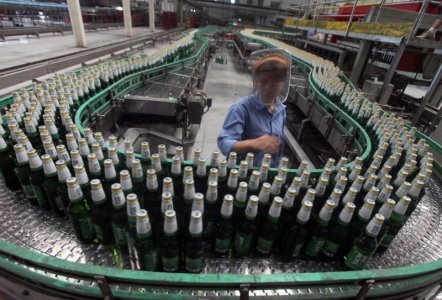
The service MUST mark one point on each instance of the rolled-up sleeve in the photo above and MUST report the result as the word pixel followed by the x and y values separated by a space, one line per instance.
pixel 233 129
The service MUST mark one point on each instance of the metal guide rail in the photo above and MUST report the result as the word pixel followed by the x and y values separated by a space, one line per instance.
pixel 63 260
pixel 40 252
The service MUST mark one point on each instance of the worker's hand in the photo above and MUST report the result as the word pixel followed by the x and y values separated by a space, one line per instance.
pixel 267 143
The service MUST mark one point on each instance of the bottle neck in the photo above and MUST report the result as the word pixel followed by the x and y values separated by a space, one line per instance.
pixel 251 211
pixel 226 210
pixel 75 193
pixel 144 229
pixel 152 183
pixel 118 199
pixel 232 182
pixel 345 216
pixel 110 174
pixel 98 196
pixel 170 227
pixel 303 216
pixel 274 213
pixel 325 215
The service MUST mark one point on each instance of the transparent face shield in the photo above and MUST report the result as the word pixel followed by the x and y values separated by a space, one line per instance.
pixel 271 70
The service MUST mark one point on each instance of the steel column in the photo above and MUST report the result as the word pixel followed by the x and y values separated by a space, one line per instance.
pixel 433 86
pixel 391 70
pixel 351 19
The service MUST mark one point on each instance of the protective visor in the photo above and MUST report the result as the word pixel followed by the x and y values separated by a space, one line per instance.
pixel 271 69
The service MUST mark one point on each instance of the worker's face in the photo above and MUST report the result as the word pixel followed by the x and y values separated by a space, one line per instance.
pixel 269 86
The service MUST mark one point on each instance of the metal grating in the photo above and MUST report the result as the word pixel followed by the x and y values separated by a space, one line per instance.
pixel 33 228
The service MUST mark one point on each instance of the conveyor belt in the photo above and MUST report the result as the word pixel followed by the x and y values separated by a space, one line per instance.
pixel 31 227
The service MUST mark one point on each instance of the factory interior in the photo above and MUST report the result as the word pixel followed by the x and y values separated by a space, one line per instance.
pixel 220 149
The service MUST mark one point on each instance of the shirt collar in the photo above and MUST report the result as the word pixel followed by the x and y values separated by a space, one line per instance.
pixel 259 102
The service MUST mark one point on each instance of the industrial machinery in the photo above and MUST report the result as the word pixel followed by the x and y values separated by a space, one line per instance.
pixel 41 258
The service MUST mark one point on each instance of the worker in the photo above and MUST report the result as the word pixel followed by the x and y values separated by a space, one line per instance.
pixel 255 123
pixel 431 33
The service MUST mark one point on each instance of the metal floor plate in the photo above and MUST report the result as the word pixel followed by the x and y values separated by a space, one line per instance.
pixel 33 228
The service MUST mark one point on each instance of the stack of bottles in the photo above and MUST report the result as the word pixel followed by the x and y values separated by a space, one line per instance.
pixel 173 213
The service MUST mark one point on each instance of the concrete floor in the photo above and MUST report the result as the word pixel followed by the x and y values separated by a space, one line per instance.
pixel 21 50
pixel 225 84
pixel 18 51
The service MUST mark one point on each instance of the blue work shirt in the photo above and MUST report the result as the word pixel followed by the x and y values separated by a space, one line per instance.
pixel 249 118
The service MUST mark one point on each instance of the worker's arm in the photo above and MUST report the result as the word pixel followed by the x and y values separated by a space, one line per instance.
pixel 265 143
pixel 231 135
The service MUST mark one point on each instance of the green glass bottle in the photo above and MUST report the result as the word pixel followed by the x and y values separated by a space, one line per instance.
pixel 232 182
pixel 269 230
pixel 224 230
pixel 79 212
pixel 263 173
pixel 170 246
pixel 113 155
pixel 156 163
pixel 401 191
pixel 254 184
pixel 94 168
pixel 162 152
pixel 110 177
pixel 196 157
pixel 133 206
pixel 152 197
pixel 338 233
pixel 177 175
pixel 240 202
pixel 146 159
pixel 211 212
pixel 201 176
pixel 7 166
pixel 96 149
pixel 305 183
pixel 364 247
pixel 32 134
pixel 50 185
pixel 361 220
pixel 320 232
pixel 146 247
pixel 386 210
pixel 243 171
pixel 76 158
pixel 98 136
pixel 63 154
pixel 222 179
pixel 194 246
pixel 83 181
pixel 247 229
pixel 71 143
pixel 185 208
pixel 214 159
pixel 119 215
pixel 126 182
pixel 416 193
pixel 322 191
pixel 83 147
pixel 37 179
pixel 138 181
pixel 263 201
pixel 286 219
pixel 101 213
pixel 294 239
pixel 397 220
pixel 63 174
pixel 23 172
pixel 166 204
